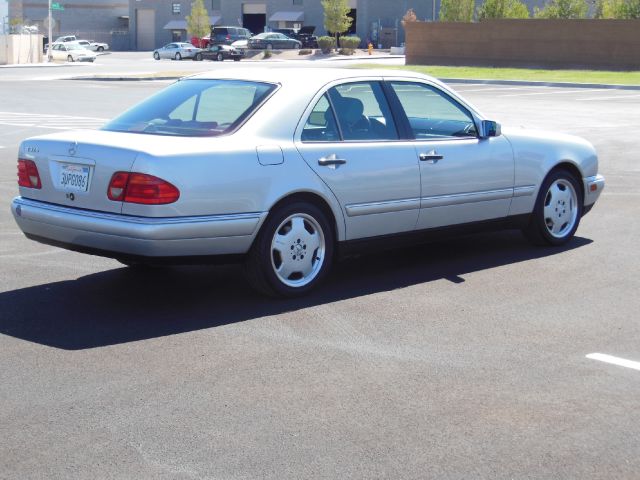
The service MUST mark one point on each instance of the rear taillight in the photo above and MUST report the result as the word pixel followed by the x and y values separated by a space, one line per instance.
pixel 141 188
pixel 28 175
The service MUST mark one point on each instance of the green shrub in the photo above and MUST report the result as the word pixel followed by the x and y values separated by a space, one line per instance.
pixel 457 10
pixel 346 51
pixel 305 51
pixel 326 44
pixel 350 42
pixel 621 9
pixel 503 9
pixel 563 9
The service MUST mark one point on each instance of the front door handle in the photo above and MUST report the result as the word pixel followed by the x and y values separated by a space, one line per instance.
pixel 431 157
pixel 330 160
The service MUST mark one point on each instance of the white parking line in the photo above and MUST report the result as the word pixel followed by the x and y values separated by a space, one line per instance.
pixel 618 97
pixel 601 357
pixel 550 92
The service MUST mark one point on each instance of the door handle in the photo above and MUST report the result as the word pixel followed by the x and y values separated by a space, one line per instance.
pixel 331 160
pixel 431 157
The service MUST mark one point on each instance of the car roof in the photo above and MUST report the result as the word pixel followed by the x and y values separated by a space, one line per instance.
pixel 311 77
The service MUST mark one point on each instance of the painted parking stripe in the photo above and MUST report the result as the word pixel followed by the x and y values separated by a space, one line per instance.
pixel 550 92
pixel 618 97
pixel 602 357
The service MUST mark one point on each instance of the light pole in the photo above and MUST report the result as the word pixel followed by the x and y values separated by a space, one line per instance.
pixel 49 56
pixel 433 12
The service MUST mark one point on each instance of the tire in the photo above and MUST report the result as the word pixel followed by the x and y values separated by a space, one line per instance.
pixel 69 58
pixel 557 212
pixel 220 57
pixel 178 56
pixel 292 253
pixel 156 55
pixel 236 59
pixel 198 57
pixel 101 49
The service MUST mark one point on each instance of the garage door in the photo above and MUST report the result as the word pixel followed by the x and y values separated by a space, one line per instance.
pixel 146 29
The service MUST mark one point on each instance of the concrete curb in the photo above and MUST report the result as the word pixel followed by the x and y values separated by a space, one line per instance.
pixel 526 83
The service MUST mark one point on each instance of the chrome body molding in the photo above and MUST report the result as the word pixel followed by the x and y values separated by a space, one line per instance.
pixel 462 198
pixel 355 210
pixel 172 236
pixel 524 191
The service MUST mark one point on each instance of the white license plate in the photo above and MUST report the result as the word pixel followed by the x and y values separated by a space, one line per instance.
pixel 74 178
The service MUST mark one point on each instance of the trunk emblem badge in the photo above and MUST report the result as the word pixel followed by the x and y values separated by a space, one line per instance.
pixel 73 148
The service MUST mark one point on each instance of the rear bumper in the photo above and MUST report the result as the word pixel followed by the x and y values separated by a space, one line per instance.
pixel 116 235
pixel 593 187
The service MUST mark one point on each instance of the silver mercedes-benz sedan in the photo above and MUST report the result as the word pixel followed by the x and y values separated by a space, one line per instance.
pixel 287 169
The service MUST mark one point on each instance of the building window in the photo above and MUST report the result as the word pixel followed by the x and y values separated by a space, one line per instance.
pixel 297 2
pixel 175 8
pixel 215 5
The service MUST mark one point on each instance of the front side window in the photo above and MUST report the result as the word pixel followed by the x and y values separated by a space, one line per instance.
pixel 362 112
pixel 433 114
pixel 194 108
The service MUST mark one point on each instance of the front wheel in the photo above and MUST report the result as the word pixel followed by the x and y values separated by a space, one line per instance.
pixel 156 55
pixel 220 57
pixel 69 58
pixel 101 49
pixel 198 57
pixel 557 211
pixel 178 56
pixel 293 251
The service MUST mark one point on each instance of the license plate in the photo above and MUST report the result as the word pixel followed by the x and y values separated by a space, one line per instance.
pixel 74 177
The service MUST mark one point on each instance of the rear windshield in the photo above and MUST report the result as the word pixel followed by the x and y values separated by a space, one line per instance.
pixel 194 108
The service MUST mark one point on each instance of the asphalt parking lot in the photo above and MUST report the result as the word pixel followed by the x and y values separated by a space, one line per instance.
pixel 461 359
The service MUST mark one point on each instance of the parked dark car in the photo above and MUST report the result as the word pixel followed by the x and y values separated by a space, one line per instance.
pixel 304 35
pixel 219 53
pixel 271 40
pixel 228 35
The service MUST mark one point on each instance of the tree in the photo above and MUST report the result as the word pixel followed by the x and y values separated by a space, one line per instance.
pixel 198 23
pixel 409 17
pixel 503 9
pixel 336 18
pixel 457 10
pixel 563 9
pixel 621 9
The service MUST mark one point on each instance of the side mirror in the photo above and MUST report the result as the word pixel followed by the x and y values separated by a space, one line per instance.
pixel 490 129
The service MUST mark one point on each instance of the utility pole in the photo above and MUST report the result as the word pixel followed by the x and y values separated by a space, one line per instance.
pixel 49 56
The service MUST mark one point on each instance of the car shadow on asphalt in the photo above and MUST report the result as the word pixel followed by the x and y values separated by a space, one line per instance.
pixel 123 305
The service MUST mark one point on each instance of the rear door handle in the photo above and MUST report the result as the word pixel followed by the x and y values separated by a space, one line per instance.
pixel 431 157
pixel 330 160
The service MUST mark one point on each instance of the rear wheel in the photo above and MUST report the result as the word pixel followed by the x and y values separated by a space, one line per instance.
pixel 178 56
pixel 198 57
pixel 69 58
pixel 156 55
pixel 236 59
pixel 557 211
pixel 220 57
pixel 101 49
pixel 293 251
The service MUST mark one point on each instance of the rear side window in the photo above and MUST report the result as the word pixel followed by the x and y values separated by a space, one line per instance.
pixel 362 112
pixel 194 108
pixel 321 125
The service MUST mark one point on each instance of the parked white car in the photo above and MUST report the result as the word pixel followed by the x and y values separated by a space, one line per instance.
pixel 71 52
pixel 285 170
pixel 94 46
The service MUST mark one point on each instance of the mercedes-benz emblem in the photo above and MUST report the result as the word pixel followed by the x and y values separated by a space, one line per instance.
pixel 73 148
